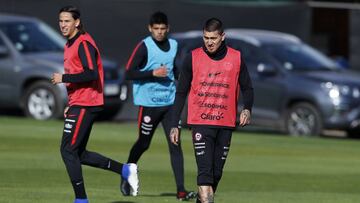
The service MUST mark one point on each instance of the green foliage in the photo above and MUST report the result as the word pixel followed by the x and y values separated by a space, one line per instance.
pixel 260 168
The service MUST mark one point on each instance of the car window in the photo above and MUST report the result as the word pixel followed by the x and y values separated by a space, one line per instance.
pixel 31 37
pixel 188 45
pixel 3 49
pixel 185 46
pixel 299 57
pixel 2 42
pixel 252 55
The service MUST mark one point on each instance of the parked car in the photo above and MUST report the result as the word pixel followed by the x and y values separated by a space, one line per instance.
pixel 297 89
pixel 30 51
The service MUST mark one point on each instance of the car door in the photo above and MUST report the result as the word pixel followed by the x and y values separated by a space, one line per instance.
pixel 267 80
pixel 7 73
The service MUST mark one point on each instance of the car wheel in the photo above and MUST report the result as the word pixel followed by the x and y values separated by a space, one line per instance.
pixel 303 119
pixel 42 101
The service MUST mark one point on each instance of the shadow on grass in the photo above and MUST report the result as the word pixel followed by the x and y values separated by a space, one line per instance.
pixel 160 195
pixel 11 112
pixel 255 130
pixel 149 195
pixel 122 202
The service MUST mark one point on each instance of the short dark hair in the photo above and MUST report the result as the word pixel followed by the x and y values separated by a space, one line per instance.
pixel 158 18
pixel 75 13
pixel 214 24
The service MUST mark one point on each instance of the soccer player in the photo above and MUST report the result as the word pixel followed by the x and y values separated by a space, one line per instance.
pixel 212 76
pixel 151 67
pixel 84 82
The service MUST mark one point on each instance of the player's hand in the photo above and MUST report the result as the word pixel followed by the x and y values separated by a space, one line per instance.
pixel 244 117
pixel 56 78
pixel 65 111
pixel 174 136
pixel 160 72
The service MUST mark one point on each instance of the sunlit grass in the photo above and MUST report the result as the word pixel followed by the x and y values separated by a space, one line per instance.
pixel 260 167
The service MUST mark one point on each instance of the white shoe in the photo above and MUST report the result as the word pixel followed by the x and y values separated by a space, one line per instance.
pixel 130 174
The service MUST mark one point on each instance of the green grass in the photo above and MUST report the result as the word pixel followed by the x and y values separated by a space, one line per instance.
pixel 260 168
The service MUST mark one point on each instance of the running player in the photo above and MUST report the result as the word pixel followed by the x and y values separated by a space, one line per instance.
pixel 84 82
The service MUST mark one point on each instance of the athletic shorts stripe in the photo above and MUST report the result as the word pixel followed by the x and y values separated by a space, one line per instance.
pixel 78 124
pixel 140 115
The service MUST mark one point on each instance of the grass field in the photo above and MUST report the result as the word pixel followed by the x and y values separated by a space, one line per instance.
pixel 260 168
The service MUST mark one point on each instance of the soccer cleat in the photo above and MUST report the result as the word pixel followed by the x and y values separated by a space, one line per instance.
pixel 81 201
pixel 186 195
pixel 124 187
pixel 130 174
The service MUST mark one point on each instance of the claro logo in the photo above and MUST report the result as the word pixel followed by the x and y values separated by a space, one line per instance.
pixel 159 99
pixel 212 117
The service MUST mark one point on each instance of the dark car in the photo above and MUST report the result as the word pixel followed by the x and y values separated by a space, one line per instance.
pixel 297 89
pixel 30 51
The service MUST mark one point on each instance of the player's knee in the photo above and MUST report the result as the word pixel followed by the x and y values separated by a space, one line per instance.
pixel 67 153
pixel 144 146
pixel 175 149
pixel 63 151
pixel 205 179
pixel 83 155
pixel 217 175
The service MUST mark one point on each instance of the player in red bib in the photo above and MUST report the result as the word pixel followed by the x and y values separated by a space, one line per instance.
pixel 212 76
pixel 84 83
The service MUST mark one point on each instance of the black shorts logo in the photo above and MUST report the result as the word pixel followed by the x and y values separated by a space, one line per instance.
pixel 147 119
pixel 198 136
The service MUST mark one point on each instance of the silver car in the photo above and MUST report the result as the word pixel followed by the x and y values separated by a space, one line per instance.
pixel 30 51
pixel 297 89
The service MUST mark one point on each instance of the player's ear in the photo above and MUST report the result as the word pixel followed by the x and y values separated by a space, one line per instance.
pixel 77 23
pixel 223 36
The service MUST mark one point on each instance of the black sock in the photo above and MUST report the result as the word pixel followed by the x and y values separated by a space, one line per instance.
pixel 115 166
pixel 79 189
